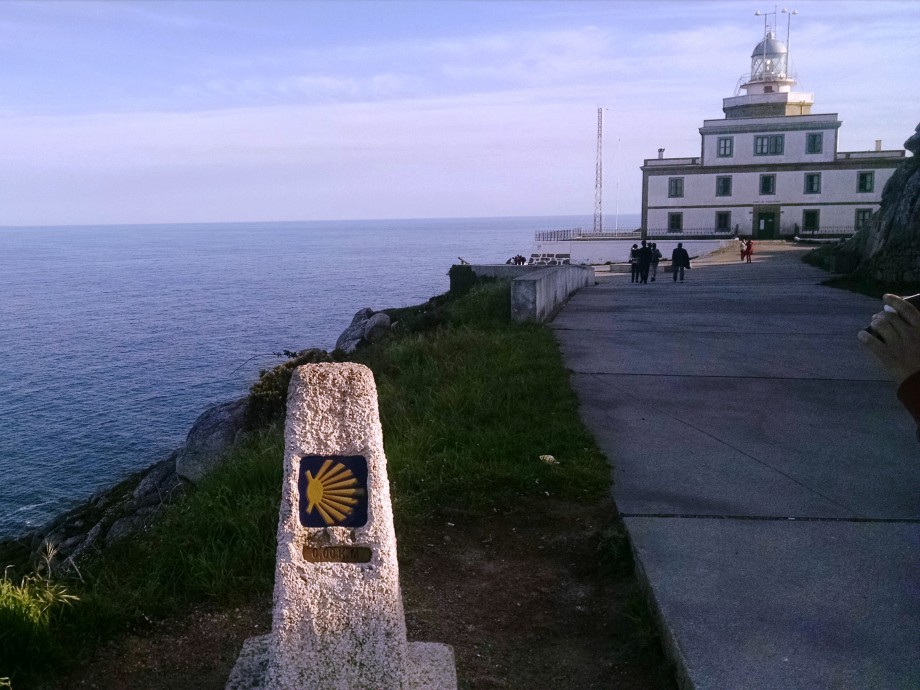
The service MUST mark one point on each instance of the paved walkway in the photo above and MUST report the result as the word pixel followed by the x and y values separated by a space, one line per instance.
pixel 767 475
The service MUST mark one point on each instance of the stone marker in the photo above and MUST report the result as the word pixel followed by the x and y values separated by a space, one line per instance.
pixel 338 621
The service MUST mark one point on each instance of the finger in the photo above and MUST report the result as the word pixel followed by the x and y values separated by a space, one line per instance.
pixel 871 341
pixel 904 309
pixel 886 328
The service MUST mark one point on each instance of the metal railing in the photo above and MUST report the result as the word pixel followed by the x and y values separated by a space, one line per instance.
pixel 835 230
pixel 581 234
pixel 698 233
pixel 690 232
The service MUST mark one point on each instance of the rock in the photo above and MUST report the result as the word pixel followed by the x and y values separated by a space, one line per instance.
pixel 376 327
pixel 154 477
pixel 913 143
pixel 351 336
pixel 171 488
pixel 124 527
pixel 889 247
pixel 212 435
pixel 89 542
pixel 70 544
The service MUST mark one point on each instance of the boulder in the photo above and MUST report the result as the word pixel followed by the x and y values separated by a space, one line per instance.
pixel 212 435
pixel 376 327
pixel 366 327
pixel 351 336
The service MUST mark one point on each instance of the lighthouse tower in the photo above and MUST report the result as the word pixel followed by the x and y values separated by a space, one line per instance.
pixel 768 87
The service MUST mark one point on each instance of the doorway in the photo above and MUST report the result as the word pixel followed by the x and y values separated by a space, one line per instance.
pixel 765 225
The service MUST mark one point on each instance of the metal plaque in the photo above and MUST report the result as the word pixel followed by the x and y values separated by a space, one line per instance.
pixel 333 490
pixel 336 554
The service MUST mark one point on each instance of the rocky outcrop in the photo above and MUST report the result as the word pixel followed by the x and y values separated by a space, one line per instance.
pixel 367 326
pixel 132 506
pixel 109 516
pixel 212 435
pixel 888 249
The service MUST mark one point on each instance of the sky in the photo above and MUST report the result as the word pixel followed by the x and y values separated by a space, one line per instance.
pixel 120 112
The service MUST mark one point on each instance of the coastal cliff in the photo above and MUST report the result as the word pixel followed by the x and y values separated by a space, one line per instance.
pixel 134 504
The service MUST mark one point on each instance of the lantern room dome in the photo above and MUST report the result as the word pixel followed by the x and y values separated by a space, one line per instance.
pixel 769 46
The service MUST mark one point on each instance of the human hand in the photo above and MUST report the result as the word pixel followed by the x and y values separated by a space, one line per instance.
pixel 895 339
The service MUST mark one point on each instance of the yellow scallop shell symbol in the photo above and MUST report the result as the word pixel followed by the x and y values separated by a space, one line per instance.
pixel 332 492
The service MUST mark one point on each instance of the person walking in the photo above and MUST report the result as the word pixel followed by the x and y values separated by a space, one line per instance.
pixel 680 260
pixel 645 261
pixel 743 249
pixel 750 250
pixel 656 257
pixel 634 263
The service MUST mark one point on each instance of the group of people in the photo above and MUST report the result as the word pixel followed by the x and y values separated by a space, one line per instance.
pixel 644 260
pixel 747 249
pixel 517 260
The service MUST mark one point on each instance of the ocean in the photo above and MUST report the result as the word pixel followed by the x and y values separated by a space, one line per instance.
pixel 113 339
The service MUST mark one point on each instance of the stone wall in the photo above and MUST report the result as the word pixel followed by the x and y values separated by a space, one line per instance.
pixel 537 295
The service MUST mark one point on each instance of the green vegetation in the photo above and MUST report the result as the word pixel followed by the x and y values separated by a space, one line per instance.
pixel 29 615
pixel 825 258
pixel 469 402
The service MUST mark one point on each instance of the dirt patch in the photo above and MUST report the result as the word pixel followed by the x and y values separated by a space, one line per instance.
pixel 543 597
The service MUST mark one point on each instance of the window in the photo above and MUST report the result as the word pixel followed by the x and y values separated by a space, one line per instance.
pixel 723 221
pixel 863 217
pixel 810 221
pixel 724 185
pixel 865 181
pixel 771 145
pixel 675 222
pixel 812 183
pixel 675 186
pixel 814 142
pixel 726 147
pixel 768 184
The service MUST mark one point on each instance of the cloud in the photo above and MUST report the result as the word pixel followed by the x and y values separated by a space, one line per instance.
pixel 490 120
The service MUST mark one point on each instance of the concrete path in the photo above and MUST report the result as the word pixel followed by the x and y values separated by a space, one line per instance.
pixel 767 475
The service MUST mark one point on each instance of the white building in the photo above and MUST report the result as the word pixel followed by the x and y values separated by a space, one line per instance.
pixel 769 169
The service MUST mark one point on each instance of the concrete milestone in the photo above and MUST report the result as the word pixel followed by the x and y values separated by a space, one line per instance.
pixel 338 621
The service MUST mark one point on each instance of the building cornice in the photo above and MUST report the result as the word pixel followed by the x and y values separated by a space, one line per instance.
pixel 804 166
pixel 770 127
pixel 760 204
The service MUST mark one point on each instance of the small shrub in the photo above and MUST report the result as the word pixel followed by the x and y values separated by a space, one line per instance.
pixel 268 395
pixel 462 279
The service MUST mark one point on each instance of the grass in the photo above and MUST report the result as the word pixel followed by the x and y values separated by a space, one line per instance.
pixel 29 616
pixel 468 406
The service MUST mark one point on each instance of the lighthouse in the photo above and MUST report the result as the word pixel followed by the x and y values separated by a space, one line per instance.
pixel 770 168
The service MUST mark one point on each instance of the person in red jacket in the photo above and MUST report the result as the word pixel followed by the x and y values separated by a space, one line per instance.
pixel 894 339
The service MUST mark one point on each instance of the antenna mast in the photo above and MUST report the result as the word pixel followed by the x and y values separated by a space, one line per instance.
pixel 599 176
